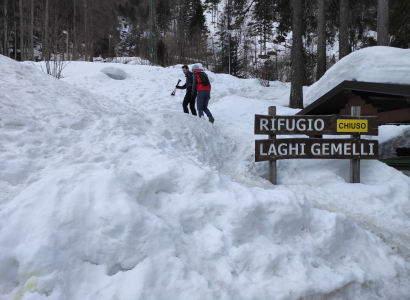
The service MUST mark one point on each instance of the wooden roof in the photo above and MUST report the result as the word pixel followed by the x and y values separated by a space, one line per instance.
pixel 390 102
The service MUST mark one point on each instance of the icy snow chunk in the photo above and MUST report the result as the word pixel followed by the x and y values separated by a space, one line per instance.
pixel 115 73
pixel 85 219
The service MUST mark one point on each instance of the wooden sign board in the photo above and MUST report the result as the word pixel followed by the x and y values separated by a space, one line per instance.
pixel 316 125
pixel 316 148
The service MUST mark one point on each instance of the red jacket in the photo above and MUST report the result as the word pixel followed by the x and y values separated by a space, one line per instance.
pixel 198 84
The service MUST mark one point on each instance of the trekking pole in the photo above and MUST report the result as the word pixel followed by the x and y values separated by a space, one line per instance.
pixel 173 93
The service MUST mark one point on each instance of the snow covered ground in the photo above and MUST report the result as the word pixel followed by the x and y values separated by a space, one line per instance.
pixel 109 191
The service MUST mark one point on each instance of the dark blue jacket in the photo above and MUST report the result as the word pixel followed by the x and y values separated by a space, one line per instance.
pixel 188 82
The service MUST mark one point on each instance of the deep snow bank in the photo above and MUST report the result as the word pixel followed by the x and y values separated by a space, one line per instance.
pixel 383 205
pixel 110 199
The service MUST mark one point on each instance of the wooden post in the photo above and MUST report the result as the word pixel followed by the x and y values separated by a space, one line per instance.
pixel 355 163
pixel 272 163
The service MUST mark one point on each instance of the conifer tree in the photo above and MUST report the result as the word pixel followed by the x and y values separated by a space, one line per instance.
pixel 196 22
pixel 263 18
pixel 163 12
pixel 399 24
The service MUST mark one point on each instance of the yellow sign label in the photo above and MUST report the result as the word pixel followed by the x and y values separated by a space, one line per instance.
pixel 352 126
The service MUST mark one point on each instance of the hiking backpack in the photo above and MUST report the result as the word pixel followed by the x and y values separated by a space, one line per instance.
pixel 204 78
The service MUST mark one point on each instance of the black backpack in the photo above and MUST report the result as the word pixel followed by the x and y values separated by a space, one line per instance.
pixel 204 78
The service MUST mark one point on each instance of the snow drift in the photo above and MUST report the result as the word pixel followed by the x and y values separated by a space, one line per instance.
pixel 116 194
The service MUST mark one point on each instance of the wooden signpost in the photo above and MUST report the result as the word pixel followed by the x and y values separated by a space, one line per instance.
pixel 316 125
pixel 352 148
pixel 315 148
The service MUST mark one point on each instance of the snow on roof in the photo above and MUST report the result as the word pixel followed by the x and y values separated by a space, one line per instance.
pixel 372 64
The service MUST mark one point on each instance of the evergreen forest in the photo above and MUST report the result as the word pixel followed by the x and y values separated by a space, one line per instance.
pixel 246 38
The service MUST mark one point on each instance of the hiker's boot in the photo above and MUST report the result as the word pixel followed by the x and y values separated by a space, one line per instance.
pixel 211 119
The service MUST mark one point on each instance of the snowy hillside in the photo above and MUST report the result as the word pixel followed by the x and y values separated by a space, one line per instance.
pixel 109 191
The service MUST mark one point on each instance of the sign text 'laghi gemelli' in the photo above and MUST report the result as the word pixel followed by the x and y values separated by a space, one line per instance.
pixel 316 125
pixel 315 148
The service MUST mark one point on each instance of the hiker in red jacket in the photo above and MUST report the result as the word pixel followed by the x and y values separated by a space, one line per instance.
pixel 202 86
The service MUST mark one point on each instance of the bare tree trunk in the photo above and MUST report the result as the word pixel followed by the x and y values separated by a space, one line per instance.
pixel 321 40
pixel 74 34
pixel 344 29
pixel 21 31
pixel 54 41
pixel 15 32
pixel 45 46
pixel 6 46
pixel 383 23
pixel 32 31
pixel 296 90
pixel 85 31
pixel 91 38
pixel 91 57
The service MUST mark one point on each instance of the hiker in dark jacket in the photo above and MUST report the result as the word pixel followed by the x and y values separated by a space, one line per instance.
pixel 189 96
pixel 204 93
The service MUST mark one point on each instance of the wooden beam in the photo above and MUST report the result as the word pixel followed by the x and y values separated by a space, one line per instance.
pixel 394 116
pixel 272 163
pixel 355 163
pixel 367 110
pixel 324 105
pixel 355 101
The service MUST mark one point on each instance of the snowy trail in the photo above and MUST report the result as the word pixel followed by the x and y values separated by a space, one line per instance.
pixel 241 163
pixel 233 106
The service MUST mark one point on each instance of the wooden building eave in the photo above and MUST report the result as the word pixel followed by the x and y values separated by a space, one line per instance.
pixel 390 102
